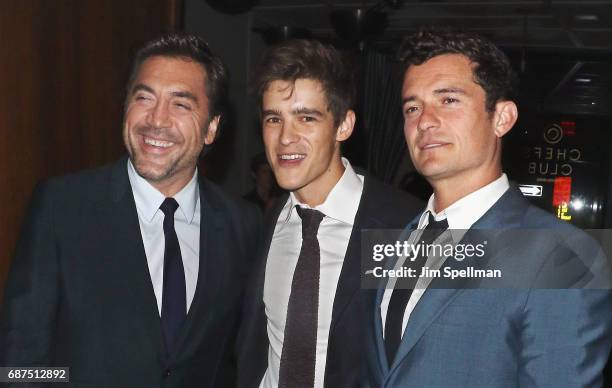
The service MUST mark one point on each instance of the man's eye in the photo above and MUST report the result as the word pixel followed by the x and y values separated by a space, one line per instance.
pixel 272 120
pixel 141 98
pixel 183 106
pixel 307 119
pixel 450 100
pixel 411 109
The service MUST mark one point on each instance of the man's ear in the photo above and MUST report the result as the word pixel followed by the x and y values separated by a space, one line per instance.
pixel 345 129
pixel 506 114
pixel 211 132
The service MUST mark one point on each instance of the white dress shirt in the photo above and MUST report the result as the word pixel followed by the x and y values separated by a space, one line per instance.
pixel 186 223
pixel 339 208
pixel 460 216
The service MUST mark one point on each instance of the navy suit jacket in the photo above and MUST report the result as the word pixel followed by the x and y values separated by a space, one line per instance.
pixel 79 293
pixel 381 207
pixel 505 337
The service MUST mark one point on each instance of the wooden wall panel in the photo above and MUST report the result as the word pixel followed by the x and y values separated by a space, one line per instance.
pixel 63 64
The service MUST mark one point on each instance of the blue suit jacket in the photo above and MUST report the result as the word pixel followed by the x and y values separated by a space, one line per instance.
pixel 505 337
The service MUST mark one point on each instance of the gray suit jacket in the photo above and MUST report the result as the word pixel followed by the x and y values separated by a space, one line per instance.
pixel 506 337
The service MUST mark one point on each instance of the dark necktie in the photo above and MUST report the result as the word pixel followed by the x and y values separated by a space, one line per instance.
pixel 173 295
pixel 400 296
pixel 297 364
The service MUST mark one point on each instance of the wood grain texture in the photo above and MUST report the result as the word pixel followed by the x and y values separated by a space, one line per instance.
pixel 63 68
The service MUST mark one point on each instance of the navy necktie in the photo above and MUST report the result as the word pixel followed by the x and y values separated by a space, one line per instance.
pixel 400 296
pixel 297 363
pixel 174 300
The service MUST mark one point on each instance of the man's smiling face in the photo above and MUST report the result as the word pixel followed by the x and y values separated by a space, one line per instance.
pixel 302 143
pixel 166 121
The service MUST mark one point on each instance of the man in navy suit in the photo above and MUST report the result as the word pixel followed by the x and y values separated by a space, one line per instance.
pixel 457 104
pixel 131 274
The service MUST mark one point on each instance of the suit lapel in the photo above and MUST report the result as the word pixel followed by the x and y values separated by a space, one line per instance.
pixel 128 260
pixel 410 234
pixel 407 233
pixel 271 218
pixel 505 213
pixel 349 282
pixel 258 317
pixel 431 304
pixel 211 272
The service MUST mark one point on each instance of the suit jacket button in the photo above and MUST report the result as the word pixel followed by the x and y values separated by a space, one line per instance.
pixel 167 373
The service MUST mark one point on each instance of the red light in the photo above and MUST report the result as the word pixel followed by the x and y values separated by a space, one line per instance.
pixel 562 190
pixel 569 128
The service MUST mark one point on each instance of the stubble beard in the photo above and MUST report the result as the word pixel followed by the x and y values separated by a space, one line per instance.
pixel 153 174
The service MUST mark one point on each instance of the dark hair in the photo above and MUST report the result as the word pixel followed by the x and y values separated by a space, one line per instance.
pixel 190 47
pixel 492 70
pixel 308 59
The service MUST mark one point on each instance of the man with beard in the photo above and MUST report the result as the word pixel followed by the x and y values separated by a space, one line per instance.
pixel 131 274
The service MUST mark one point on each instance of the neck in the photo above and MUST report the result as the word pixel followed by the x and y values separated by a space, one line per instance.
pixel 170 187
pixel 448 192
pixel 316 192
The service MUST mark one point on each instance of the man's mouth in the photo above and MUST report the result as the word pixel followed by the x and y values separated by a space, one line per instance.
pixel 432 145
pixel 290 160
pixel 158 143
pixel 291 156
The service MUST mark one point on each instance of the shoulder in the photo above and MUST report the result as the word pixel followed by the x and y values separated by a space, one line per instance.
pixel 383 197
pixel 565 233
pixel 219 198
pixel 85 185
pixel 569 256
pixel 237 209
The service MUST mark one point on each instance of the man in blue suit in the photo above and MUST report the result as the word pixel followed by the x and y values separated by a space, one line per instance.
pixel 457 104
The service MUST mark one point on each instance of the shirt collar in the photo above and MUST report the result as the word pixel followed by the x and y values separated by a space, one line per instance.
pixel 148 199
pixel 462 214
pixel 343 200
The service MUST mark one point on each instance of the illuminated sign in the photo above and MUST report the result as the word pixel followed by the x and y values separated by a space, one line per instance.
pixel 531 190
pixel 562 191
pixel 562 212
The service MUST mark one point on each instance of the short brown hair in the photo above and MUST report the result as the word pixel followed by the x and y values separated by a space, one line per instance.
pixel 308 59
pixel 492 70
pixel 191 47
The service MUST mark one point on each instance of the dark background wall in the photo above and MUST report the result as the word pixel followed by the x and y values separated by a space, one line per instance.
pixel 231 38
pixel 62 72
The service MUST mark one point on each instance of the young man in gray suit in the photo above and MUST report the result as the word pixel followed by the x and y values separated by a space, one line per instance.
pixel 457 100
pixel 131 274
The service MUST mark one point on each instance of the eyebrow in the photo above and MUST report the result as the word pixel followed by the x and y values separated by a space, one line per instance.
pixel 270 112
pixel 187 95
pixel 141 87
pixel 307 111
pixel 297 111
pixel 449 90
pixel 180 94
pixel 437 91
pixel 408 99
